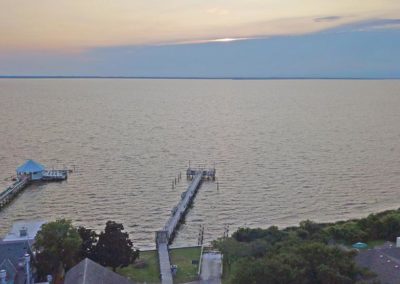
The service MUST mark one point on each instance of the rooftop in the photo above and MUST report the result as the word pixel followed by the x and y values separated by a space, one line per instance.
pixel 90 272
pixel 11 258
pixel 385 262
pixel 30 166
pixel 24 230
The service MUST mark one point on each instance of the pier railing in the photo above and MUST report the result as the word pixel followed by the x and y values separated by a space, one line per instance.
pixel 12 190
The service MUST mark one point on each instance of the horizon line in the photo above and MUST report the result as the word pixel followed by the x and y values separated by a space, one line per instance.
pixel 197 77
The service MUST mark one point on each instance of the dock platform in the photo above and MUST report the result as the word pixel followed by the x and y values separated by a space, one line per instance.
pixel 26 174
pixel 167 234
pixel 55 175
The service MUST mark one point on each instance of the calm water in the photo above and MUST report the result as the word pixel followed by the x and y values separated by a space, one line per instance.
pixel 285 151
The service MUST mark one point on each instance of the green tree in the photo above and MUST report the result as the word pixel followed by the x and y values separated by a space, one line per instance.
pixel 114 248
pixel 57 247
pixel 391 226
pixel 89 240
pixel 270 270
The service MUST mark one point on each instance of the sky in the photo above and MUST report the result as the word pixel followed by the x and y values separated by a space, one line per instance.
pixel 201 38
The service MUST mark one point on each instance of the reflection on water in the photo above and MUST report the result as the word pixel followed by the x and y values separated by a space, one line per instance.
pixel 284 151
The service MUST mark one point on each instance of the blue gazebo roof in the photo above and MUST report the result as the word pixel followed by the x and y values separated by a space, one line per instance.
pixel 30 166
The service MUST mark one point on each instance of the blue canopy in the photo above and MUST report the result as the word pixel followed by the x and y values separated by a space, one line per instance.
pixel 360 245
pixel 30 166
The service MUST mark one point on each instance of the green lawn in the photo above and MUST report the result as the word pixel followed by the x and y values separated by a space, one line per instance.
pixel 150 273
pixel 182 257
pixel 375 243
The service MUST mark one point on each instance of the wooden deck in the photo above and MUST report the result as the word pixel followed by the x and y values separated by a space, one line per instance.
pixel 55 175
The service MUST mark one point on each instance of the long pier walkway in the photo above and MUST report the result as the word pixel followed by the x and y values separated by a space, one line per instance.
pixel 7 195
pixel 166 235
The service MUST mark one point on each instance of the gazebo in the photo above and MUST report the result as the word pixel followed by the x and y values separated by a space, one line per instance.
pixel 32 169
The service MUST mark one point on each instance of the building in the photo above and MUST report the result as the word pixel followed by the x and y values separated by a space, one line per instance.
pixel 90 272
pixel 383 261
pixel 32 169
pixel 15 252
pixel 23 231
pixel 15 265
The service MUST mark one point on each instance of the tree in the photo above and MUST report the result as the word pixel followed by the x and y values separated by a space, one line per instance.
pixel 88 246
pixel 114 248
pixel 57 247
pixel 308 263
pixel 267 270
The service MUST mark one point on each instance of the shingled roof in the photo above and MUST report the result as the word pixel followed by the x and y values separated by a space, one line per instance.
pixel 90 272
pixel 11 254
pixel 385 262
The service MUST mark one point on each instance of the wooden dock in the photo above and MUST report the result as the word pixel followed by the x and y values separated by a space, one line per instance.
pixel 23 180
pixel 166 235
pixel 7 195
pixel 55 175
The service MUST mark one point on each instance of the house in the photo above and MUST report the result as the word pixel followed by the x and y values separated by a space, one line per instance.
pixel 24 230
pixel 15 252
pixel 90 272
pixel 383 261
pixel 32 169
pixel 15 262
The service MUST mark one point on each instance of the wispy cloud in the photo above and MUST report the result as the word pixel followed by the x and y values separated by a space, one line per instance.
pixel 367 25
pixel 328 19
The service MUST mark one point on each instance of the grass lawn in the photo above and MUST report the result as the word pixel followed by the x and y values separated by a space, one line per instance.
pixel 375 243
pixel 182 257
pixel 150 273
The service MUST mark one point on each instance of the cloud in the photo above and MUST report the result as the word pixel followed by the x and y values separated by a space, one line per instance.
pixel 367 25
pixel 358 54
pixel 327 19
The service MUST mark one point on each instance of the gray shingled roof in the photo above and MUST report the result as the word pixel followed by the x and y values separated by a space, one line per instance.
pixel 13 250
pixel 11 253
pixel 89 272
pixel 385 262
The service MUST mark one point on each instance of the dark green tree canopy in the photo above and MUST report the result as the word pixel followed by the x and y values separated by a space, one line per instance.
pixel 114 248
pixel 89 239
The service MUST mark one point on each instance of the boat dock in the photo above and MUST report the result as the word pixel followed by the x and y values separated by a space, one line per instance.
pixel 55 175
pixel 26 174
pixel 166 235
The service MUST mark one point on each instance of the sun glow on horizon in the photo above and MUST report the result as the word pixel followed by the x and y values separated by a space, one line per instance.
pixel 228 39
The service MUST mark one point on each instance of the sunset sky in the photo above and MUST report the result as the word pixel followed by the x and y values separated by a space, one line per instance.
pixel 145 38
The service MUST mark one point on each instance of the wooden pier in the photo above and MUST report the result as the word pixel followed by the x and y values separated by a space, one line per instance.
pixel 24 179
pixel 7 195
pixel 166 235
